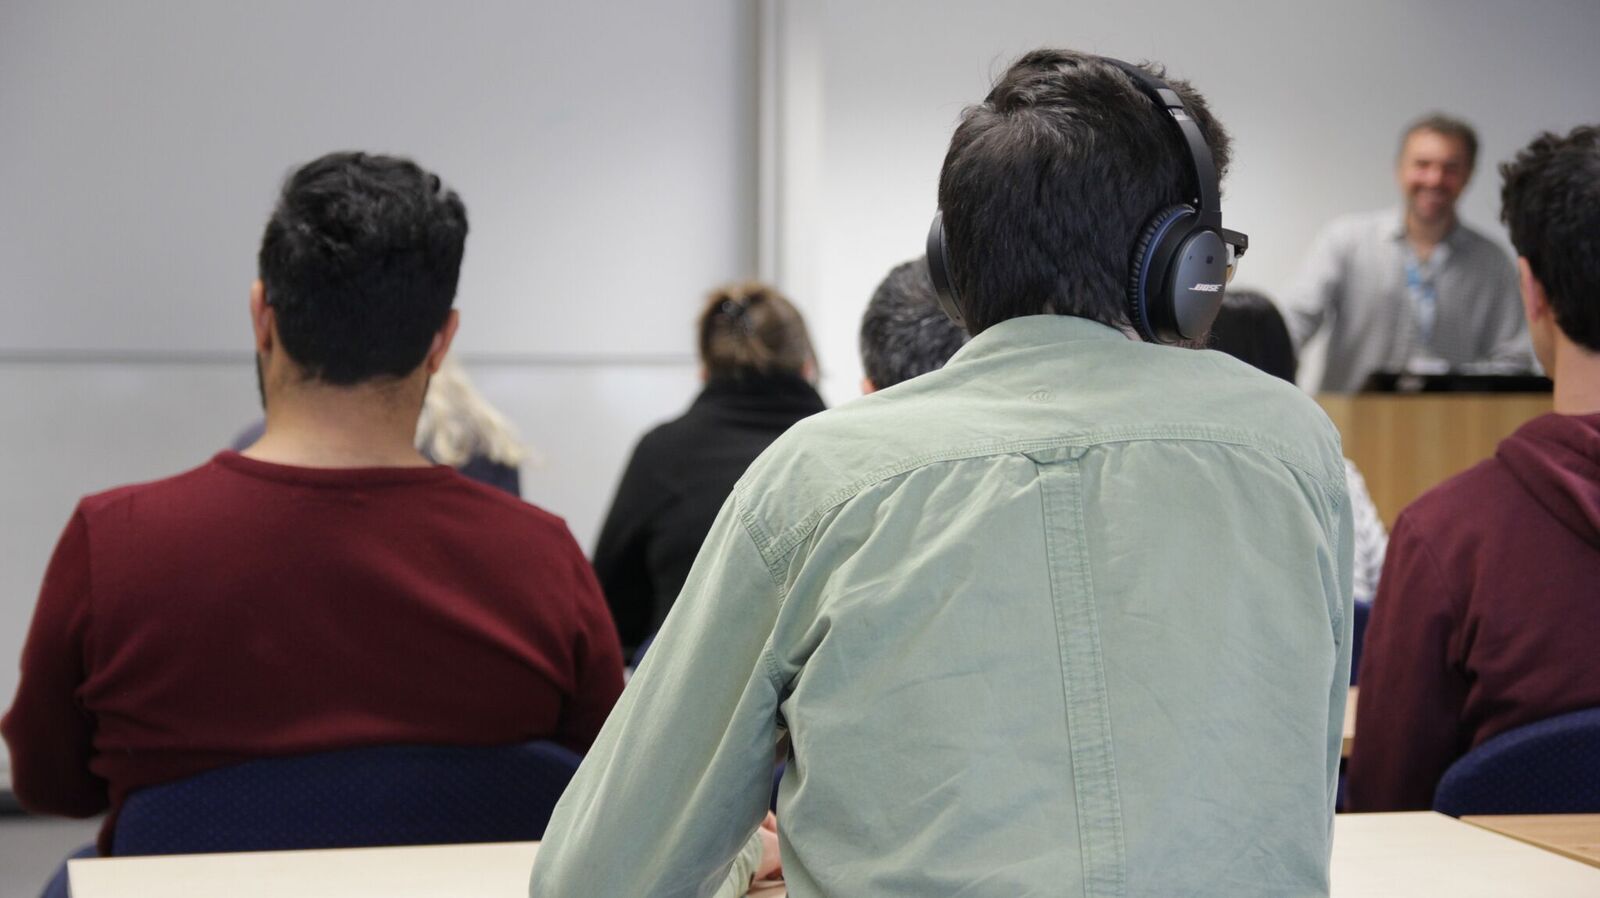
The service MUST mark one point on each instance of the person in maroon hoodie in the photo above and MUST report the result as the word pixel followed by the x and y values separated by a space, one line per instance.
pixel 1488 611
pixel 328 587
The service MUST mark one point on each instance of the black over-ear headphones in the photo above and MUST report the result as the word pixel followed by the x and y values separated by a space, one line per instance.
pixel 1183 258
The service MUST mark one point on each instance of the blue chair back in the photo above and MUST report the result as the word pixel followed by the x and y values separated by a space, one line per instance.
pixel 1358 637
pixel 1549 767
pixel 385 795
pixel 638 653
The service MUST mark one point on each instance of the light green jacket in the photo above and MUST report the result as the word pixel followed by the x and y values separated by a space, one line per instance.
pixel 1069 616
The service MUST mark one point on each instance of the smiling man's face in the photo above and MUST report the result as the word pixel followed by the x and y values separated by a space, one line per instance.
pixel 1432 171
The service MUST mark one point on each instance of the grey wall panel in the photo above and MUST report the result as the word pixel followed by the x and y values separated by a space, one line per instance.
pixel 606 153
pixel 580 424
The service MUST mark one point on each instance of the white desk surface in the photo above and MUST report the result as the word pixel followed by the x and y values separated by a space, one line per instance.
pixel 1427 854
pixel 1374 856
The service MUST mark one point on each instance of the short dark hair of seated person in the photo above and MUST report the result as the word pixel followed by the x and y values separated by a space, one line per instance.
pixel 1551 206
pixel 756 357
pixel 904 333
pixel 1488 593
pixel 1250 328
pixel 329 588
pixel 360 281
pixel 1068 256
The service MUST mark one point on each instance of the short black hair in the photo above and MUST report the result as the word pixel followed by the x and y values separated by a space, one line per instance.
pixel 1049 183
pixel 1250 328
pixel 1449 126
pixel 1550 202
pixel 904 332
pixel 360 261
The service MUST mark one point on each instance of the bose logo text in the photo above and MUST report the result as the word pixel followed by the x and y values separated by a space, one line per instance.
pixel 1207 288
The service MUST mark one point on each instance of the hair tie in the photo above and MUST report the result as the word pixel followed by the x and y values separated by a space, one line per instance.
pixel 738 311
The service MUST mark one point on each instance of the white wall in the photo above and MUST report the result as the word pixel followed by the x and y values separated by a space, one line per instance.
pixel 1314 94
pixel 606 153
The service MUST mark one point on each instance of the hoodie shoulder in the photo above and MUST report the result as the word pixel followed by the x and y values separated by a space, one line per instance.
pixel 1556 460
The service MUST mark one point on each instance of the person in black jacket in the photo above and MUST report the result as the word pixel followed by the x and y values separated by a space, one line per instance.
pixel 758 368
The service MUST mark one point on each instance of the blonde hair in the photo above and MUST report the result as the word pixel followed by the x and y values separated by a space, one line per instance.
pixel 750 327
pixel 457 423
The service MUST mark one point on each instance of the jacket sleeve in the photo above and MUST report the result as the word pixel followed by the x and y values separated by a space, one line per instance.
pixel 621 557
pixel 48 730
pixel 668 801
pixel 1408 727
pixel 597 658
pixel 1318 286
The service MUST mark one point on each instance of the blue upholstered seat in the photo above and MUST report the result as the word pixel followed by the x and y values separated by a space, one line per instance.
pixel 1549 767
pixel 1358 637
pixel 385 795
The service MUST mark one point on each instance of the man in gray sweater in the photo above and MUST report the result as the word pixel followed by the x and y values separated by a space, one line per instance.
pixel 1412 288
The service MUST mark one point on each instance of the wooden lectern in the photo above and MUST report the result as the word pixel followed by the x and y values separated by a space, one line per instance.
pixel 1406 444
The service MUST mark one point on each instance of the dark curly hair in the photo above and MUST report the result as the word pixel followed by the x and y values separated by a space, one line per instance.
pixel 360 261
pixel 1550 201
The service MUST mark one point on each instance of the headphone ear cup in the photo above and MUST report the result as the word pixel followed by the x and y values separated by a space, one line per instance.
pixel 1147 274
pixel 1198 275
pixel 944 285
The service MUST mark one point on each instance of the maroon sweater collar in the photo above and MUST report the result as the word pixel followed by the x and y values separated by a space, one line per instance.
pixel 330 477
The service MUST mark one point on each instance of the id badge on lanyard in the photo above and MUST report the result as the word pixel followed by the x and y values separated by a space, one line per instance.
pixel 1424 297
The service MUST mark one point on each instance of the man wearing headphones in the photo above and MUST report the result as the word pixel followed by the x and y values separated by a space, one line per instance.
pixel 1068 615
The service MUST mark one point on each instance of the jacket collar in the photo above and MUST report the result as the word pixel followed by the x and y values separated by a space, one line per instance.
pixel 1032 331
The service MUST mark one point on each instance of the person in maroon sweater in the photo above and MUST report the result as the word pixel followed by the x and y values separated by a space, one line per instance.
pixel 327 587
pixel 1487 615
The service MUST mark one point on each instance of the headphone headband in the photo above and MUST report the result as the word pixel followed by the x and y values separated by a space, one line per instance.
pixel 1208 204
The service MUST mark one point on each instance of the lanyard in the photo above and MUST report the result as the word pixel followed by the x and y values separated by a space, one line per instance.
pixel 1424 295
